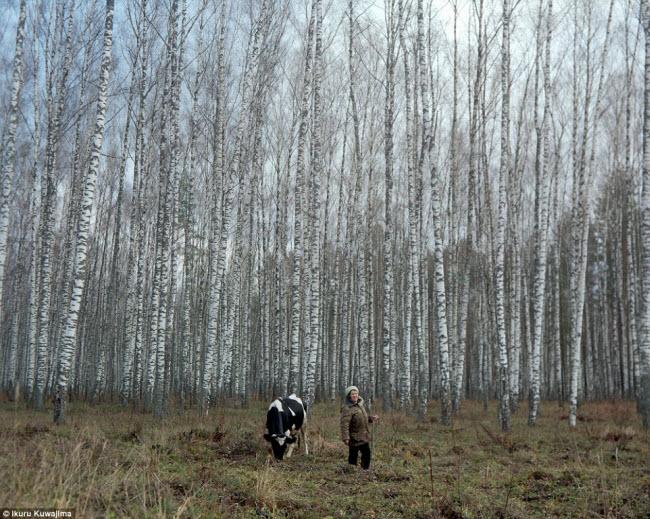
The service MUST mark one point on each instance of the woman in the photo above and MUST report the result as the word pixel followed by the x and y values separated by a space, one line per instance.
pixel 354 427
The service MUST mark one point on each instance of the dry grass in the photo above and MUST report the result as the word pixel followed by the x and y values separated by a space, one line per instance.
pixel 107 462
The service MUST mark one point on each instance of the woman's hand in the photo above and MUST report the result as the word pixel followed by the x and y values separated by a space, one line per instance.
pixel 347 442
pixel 374 418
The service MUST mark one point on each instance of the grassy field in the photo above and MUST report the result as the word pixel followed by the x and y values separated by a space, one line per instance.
pixel 107 462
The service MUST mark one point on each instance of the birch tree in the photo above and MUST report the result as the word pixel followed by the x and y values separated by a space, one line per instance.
pixel 388 342
pixel 10 161
pixel 298 211
pixel 81 252
pixel 504 407
pixel 220 231
pixel 412 285
pixel 427 135
pixel 317 168
pixel 540 226
pixel 644 335
pixel 582 167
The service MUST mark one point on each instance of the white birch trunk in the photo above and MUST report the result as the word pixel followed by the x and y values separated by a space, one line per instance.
pixel 10 162
pixel 33 273
pixel 541 217
pixel 504 408
pixel 412 269
pixel 581 213
pixel 217 267
pixel 132 351
pixel 46 231
pixel 423 367
pixel 67 351
pixel 317 167
pixel 644 328
pixel 296 303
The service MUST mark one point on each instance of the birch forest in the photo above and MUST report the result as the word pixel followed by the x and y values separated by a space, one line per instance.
pixel 214 201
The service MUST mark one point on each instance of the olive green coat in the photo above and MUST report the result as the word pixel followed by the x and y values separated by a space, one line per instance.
pixel 354 423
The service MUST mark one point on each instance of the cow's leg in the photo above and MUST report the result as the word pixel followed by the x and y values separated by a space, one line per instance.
pixel 289 450
pixel 303 439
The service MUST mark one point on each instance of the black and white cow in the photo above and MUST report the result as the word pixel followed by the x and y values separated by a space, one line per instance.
pixel 285 419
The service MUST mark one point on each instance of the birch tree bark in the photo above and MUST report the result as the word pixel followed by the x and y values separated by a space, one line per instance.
pixel 317 168
pixel 412 288
pixel 644 329
pixel 132 350
pixel 582 169
pixel 541 215
pixel 67 350
pixel 296 304
pixel 427 135
pixel 504 392
pixel 32 319
pixel 10 162
pixel 218 249
pixel 463 255
pixel 388 343
pixel 46 225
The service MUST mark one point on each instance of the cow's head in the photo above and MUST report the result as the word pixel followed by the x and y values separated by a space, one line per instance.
pixel 279 445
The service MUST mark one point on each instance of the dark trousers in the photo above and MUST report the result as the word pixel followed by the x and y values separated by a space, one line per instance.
pixel 364 448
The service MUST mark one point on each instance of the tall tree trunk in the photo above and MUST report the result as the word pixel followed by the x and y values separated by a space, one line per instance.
pixel 504 393
pixel 10 163
pixel 317 168
pixel 412 288
pixel 296 303
pixel 541 215
pixel 67 350
pixel 388 342
pixel 217 265
pixel 644 331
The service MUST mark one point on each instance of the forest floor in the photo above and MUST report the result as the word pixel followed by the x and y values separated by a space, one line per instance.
pixel 108 462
